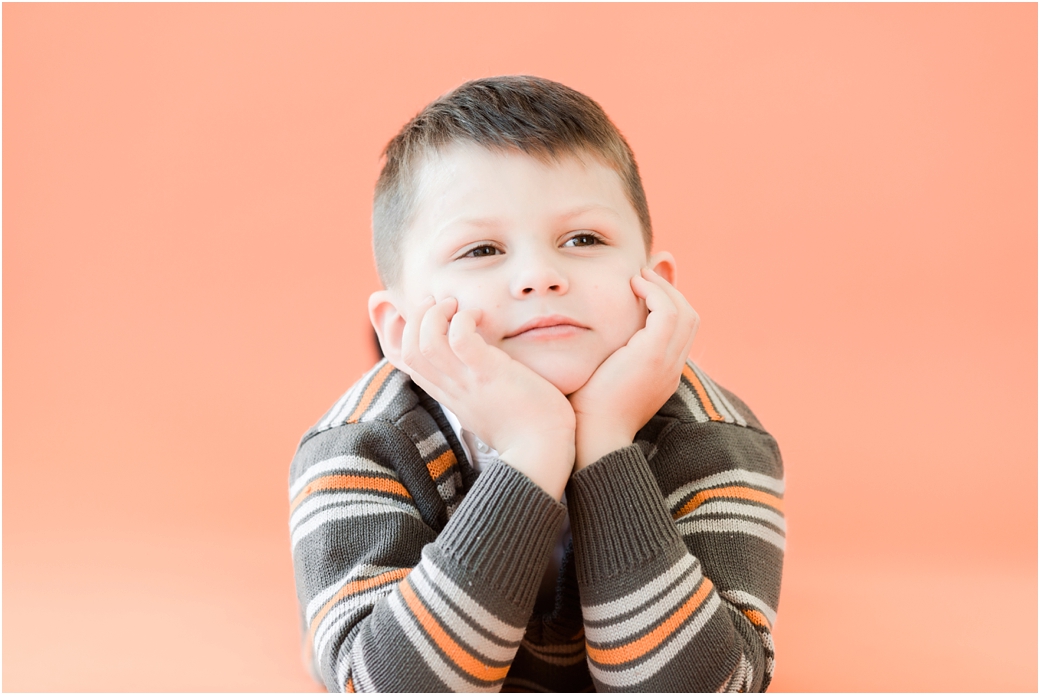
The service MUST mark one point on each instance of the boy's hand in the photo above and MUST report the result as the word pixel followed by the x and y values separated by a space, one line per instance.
pixel 634 382
pixel 507 405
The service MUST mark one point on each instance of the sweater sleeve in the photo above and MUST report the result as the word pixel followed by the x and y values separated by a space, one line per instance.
pixel 389 604
pixel 679 559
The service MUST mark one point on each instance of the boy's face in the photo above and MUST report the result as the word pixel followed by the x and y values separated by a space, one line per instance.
pixel 546 251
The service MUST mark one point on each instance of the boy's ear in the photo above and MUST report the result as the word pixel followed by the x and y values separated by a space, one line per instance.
pixel 663 263
pixel 388 322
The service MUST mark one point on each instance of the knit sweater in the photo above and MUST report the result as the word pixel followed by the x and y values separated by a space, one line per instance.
pixel 415 573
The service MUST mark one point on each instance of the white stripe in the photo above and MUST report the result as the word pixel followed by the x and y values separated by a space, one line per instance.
pixel 362 678
pixel 345 499
pixel 740 679
pixel 726 408
pixel 446 489
pixel 348 612
pixel 337 513
pixel 431 444
pixel 343 668
pixel 434 662
pixel 349 399
pixel 712 395
pixel 694 405
pixel 391 388
pixel 732 408
pixel 615 632
pixel 634 600
pixel 345 463
pixel 449 616
pixel 643 671
pixel 743 597
pixel 732 526
pixel 736 475
pixel 738 509
pixel 477 613
pixel 358 572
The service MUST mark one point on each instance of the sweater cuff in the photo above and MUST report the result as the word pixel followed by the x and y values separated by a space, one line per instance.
pixel 619 520
pixel 503 531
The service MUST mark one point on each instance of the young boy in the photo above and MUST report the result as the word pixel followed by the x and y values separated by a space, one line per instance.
pixel 534 490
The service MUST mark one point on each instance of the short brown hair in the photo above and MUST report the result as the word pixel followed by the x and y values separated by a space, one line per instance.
pixel 539 117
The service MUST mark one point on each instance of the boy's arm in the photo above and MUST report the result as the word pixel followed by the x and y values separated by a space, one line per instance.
pixel 680 593
pixel 389 604
pixel 677 594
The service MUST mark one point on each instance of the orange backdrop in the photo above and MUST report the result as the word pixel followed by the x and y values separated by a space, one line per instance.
pixel 850 192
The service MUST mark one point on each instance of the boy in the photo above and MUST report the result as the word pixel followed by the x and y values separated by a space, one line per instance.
pixel 534 490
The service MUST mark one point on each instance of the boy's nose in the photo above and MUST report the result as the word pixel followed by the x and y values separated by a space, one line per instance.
pixel 538 280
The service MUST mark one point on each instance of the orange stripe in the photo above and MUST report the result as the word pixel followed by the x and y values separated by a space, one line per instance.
pixel 641 646
pixel 756 617
pixel 702 394
pixel 737 491
pixel 349 482
pixel 439 465
pixel 349 589
pixel 463 659
pixel 371 391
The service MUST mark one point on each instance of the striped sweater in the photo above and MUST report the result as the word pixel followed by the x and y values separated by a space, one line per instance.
pixel 415 573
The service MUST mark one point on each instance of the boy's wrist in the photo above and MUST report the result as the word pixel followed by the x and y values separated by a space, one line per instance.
pixel 548 462
pixel 593 443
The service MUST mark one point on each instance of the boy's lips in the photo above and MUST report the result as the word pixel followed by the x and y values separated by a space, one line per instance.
pixel 548 326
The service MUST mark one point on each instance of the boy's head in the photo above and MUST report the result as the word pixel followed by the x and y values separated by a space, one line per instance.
pixel 517 196
pixel 514 113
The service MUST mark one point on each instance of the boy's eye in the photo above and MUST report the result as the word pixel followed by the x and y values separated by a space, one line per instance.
pixel 583 240
pixel 481 251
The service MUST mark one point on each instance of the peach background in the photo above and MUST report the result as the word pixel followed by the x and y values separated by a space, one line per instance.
pixel 850 191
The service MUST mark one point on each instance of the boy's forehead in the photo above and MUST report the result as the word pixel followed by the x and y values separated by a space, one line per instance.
pixel 466 180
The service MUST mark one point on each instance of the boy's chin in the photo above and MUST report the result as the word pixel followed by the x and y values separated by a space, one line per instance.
pixel 567 377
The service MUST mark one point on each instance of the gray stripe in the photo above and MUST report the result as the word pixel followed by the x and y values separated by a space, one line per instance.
pixel 330 626
pixel 502 630
pixel 349 399
pixel 362 678
pixel 647 669
pixel 554 659
pixel 446 615
pixel 445 672
pixel 721 404
pixel 623 631
pixel 431 444
pixel 391 389
pixel 745 598
pixel 636 599
pixel 688 398
pixel 358 572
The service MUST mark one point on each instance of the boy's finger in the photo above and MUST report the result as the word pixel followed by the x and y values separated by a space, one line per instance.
pixel 464 339
pixel 671 290
pixel 410 352
pixel 663 313
pixel 433 337
pixel 668 324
